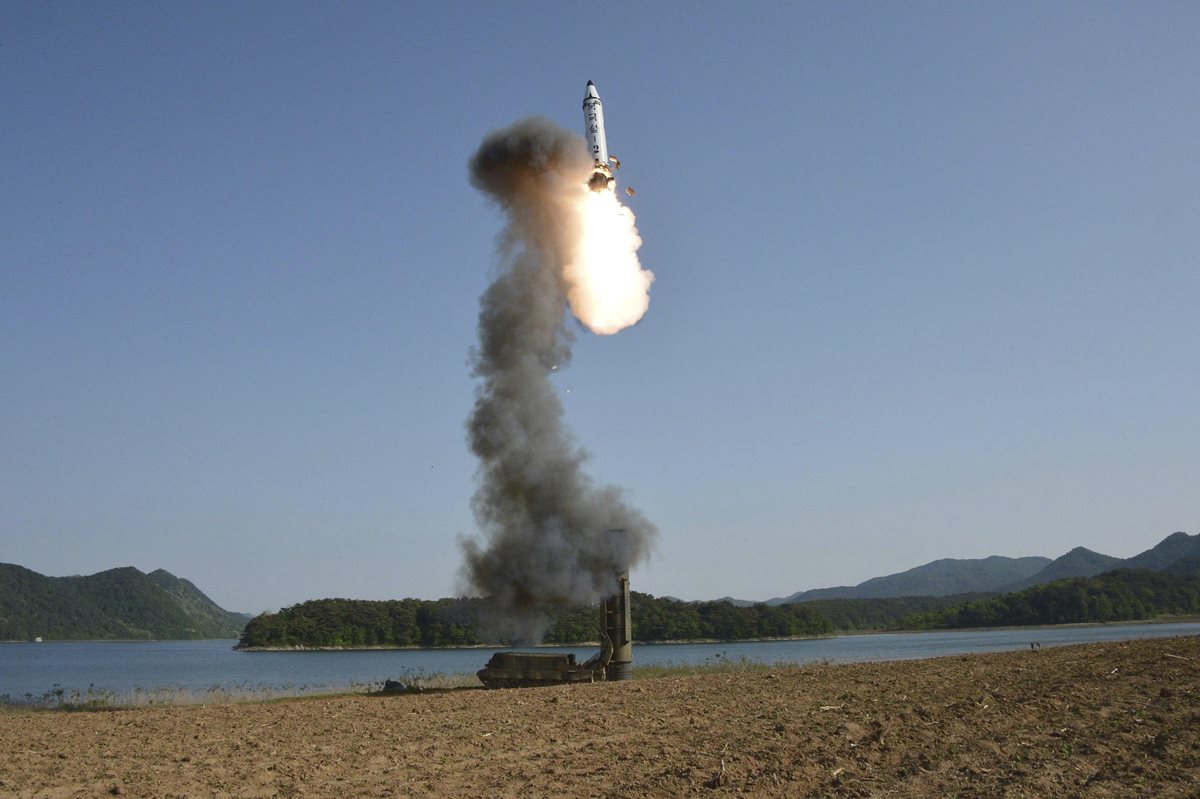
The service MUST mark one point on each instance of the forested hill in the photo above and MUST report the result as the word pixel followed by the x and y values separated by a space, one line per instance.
pixel 1121 595
pixel 1171 550
pixel 1079 562
pixel 121 603
pixel 999 575
pixel 944 577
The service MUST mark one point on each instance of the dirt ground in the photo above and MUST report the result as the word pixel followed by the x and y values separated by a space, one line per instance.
pixel 1100 720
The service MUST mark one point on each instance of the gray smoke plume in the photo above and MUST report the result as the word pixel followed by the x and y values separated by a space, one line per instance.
pixel 551 537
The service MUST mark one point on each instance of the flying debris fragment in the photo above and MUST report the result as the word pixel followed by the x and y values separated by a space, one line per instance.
pixel 629 191
pixel 593 127
pixel 616 162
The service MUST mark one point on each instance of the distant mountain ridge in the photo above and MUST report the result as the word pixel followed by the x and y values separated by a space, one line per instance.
pixel 943 577
pixel 737 603
pixel 1174 547
pixel 1079 562
pixel 998 574
pixel 121 603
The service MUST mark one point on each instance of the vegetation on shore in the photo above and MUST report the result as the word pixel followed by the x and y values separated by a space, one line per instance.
pixel 463 622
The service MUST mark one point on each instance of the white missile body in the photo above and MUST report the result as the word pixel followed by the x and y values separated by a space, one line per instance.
pixel 593 129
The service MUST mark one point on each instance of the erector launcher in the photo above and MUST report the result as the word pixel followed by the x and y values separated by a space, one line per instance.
pixel 614 661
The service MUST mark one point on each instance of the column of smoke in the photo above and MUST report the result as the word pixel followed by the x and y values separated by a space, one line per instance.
pixel 547 529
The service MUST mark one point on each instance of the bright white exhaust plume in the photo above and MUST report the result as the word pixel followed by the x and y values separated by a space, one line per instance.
pixel 606 285
pixel 549 535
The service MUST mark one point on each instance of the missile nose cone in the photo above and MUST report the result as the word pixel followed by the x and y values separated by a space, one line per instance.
pixel 590 83
pixel 591 91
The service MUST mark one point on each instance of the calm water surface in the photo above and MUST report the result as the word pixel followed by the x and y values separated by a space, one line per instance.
pixel 175 670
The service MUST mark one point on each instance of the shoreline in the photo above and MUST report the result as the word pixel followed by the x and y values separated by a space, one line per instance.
pixel 1094 721
pixel 1180 619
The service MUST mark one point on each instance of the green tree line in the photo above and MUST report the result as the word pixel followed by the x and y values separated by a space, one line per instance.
pixel 364 623
pixel 884 614
pixel 451 622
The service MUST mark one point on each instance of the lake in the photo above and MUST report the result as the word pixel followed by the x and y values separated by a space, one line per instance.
pixel 151 671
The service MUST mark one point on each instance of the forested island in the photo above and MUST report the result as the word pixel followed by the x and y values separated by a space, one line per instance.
pixel 1124 595
pixel 457 622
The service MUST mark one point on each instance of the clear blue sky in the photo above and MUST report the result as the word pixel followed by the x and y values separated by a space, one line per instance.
pixel 928 280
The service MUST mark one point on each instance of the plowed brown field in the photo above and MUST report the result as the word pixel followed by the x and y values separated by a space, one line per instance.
pixel 1100 720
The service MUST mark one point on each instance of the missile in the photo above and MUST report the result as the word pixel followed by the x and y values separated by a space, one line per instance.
pixel 593 131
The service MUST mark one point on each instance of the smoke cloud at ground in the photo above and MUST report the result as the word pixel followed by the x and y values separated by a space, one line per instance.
pixel 550 536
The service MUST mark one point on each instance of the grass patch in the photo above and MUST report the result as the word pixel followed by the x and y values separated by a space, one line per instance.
pixel 423 683
pixel 93 699
pixel 446 682
pixel 719 663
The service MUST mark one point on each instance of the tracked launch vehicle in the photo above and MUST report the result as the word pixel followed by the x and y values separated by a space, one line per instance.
pixel 614 661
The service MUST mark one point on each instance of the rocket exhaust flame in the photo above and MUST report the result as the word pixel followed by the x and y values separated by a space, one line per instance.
pixel 547 529
pixel 606 286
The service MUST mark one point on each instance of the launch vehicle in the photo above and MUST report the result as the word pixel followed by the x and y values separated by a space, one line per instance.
pixel 593 131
